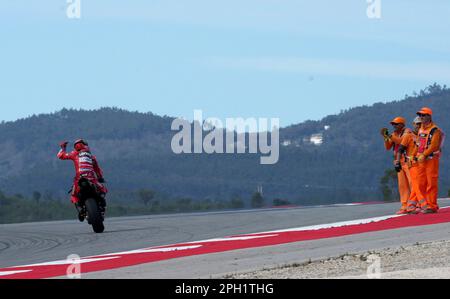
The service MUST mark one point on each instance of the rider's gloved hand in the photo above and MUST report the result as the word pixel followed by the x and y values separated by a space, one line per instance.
pixel 101 180
pixel 63 144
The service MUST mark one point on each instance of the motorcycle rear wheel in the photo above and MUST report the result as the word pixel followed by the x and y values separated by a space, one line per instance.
pixel 94 216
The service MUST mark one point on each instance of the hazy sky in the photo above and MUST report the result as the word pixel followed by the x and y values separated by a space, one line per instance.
pixel 291 59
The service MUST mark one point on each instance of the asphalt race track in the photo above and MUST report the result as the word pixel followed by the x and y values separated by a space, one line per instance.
pixel 43 242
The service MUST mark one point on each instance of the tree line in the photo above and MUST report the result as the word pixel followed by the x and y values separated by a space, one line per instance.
pixel 18 208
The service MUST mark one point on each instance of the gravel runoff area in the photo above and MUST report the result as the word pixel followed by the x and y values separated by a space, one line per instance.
pixel 421 260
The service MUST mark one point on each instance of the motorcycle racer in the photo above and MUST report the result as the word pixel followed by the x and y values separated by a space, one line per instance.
pixel 86 166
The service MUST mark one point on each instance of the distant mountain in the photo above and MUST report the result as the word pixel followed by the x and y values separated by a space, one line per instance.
pixel 337 159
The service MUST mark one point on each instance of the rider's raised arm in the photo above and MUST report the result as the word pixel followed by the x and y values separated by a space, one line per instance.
pixel 62 154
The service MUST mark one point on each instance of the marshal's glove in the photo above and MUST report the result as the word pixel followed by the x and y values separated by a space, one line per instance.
pixel 398 166
pixel 384 132
pixel 421 158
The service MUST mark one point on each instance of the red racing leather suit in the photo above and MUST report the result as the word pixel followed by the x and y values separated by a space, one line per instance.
pixel 86 166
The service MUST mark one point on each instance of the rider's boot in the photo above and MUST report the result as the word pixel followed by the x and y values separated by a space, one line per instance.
pixel 81 212
pixel 102 204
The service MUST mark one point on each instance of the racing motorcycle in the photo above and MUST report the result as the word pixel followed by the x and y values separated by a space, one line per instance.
pixel 91 205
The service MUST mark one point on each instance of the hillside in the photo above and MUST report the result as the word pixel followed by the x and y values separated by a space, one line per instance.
pixel 134 150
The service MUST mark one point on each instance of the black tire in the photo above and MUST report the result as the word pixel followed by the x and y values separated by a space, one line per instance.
pixel 94 216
